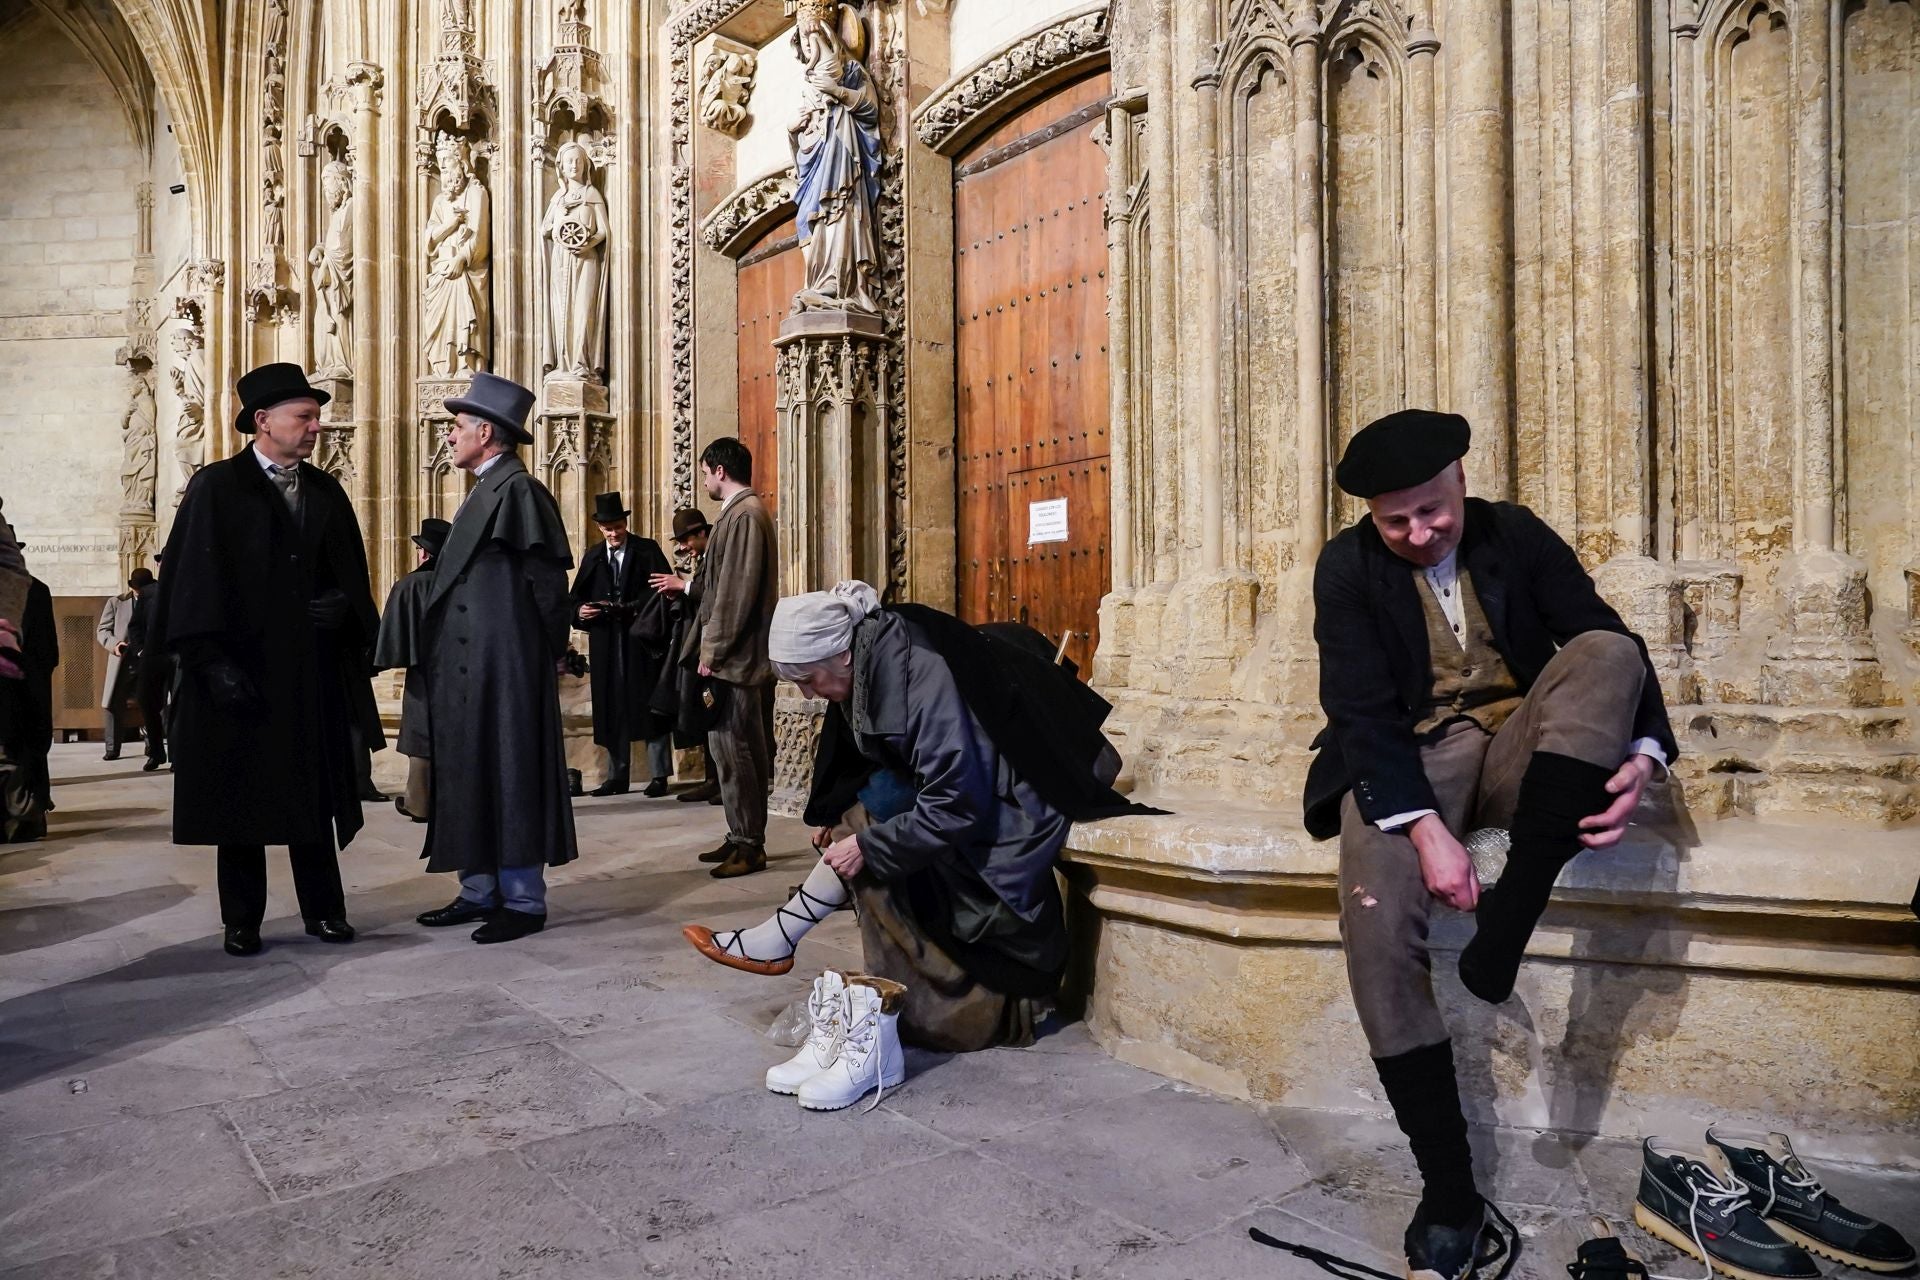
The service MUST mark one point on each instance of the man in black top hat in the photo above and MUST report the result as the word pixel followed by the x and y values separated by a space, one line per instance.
pixel 615 580
pixel 266 603
pixel 154 684
pixel 496 625
pixel 677 692
pixel 1472 677
pixel 402 646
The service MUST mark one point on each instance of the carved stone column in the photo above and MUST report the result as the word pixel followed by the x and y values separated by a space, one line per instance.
pixel 1423 355
pixel 573 449
pixel 834 419
pixel 1309 256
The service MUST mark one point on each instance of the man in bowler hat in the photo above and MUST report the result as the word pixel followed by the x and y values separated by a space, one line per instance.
pixel 266 604
pixel 614 582
pixel 402 647
pixel 496 624
pixel 1471 677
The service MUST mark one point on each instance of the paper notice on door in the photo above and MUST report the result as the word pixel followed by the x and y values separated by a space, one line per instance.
pixel 1047 521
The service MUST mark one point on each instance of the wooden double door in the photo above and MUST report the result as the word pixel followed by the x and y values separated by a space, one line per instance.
pixel 1030 299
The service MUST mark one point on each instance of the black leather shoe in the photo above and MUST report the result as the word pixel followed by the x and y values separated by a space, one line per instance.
pixel 507 925
pixel 330 930
pixel 111 753
pixel 721 854
pixel 152 764
pixel 705 791
pixel 459 911
pixel 656 788
pixel 741 862
pixel 242 941
pixel 610 789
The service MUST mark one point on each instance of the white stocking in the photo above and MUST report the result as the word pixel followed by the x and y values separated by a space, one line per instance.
pixel 821 894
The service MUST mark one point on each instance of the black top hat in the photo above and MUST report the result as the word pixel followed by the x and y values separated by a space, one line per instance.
pixel 269 385
pixel 432 536
pixel 607 508
pixel 501 401
pixel 688 521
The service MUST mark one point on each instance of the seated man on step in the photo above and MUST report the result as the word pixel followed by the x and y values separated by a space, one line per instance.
pixel 952 764
pixel 1472 677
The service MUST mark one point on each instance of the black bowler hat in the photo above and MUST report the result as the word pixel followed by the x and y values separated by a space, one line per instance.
pixel 501 401
pixel 1400 451
pixel 608 509
pixel 688 521
pixel 269 385
pixel 432 536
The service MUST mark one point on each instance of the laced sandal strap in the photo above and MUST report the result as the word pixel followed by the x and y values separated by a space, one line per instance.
pixel 734 946
pixel 807 919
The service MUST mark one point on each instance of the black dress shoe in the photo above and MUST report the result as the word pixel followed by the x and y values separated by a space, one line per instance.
pixel 721 854
pixel 656 788
pixel 507 925
pixel 459 911
pixel 111 753
pixel 610 788
pixel 330 930
pixel 152 764
pixel 741 862
pixel 705 791
pixel 242 941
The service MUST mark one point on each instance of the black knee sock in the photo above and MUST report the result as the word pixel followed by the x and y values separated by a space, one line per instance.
pixel 1555 794
pixel 1425 1097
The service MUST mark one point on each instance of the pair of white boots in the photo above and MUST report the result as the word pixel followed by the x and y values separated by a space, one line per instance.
pixel 853 1044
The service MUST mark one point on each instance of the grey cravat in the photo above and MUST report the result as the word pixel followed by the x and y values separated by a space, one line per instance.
pixel 288 481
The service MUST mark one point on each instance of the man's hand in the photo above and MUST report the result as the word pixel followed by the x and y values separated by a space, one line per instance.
pixel 822 837
pixel 588 612
pixel 671 584
pixel 1604 829
pixel 120 650
pixel 844 857
pixel 1444 864
pixel 705 671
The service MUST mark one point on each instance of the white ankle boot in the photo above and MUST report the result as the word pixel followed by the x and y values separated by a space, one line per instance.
pixel 870 1057
pixel 826 1011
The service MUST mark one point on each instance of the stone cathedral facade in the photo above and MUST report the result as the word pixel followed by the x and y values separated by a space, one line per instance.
pixel 1090 296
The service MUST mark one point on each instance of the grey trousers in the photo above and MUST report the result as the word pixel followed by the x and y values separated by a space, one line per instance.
pixel 1582 706
pixel 742 746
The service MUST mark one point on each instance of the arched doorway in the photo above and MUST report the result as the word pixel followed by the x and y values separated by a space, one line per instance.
pixel 771 271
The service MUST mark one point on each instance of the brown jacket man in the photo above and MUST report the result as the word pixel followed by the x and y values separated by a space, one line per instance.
pixel 733 599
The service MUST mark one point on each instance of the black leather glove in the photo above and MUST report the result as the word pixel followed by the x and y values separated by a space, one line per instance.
pixel 232 693
pixel 328 610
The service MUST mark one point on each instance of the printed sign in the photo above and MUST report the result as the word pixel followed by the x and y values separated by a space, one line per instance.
pixel 1047 521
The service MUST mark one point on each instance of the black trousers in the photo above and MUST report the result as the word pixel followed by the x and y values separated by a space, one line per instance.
pixel 155 680
pixel 243 883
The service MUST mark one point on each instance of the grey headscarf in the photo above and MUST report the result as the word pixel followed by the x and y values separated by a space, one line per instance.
pixel 811 628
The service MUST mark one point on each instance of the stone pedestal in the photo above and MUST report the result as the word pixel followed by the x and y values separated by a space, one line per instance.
pixel 1650 598
pixel 573 450
pixel 334 454
pixel 834 368
pixel 1822 655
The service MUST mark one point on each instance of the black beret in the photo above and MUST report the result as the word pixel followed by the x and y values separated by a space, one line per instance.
pixel 1400 451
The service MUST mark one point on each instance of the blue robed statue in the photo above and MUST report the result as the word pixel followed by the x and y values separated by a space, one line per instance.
pixel 836 159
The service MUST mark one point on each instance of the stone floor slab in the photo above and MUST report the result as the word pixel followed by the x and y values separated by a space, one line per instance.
pixel 313 1049
pixel 678 1060
pixel 973 1096
pixel 169 1074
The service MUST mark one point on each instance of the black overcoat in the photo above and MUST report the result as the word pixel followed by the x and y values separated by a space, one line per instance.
pixel 402 647
pixel 622 670
pixel 1376 671
pixel 496 622
pixel 240 573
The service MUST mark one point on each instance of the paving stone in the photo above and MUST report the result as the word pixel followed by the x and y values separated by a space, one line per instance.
pixel 1229 1251
pixel 73 1191
pixel 679 1060
pixel 972 1096
pixel 314 1048
pixel 150 1078
pixel 1174 1160
pixel 597 1000
pixel 353 1131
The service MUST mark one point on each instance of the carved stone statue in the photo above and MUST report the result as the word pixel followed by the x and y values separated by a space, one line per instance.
pixel 140 448
pixel 457 314
pixel 836 159
pixel 190 388
pixel 575 230
pixel 726 85
pixel 332 262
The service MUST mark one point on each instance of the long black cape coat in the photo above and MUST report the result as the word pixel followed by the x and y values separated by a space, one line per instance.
pixel 496 622
pixel 620 666
pixel 1376 671
pixel 402 647
pixel 240 573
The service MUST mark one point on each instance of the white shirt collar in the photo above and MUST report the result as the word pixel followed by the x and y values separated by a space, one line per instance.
pixel 730 497
pixel 1448 569
pixel 487 466
pixel 267 464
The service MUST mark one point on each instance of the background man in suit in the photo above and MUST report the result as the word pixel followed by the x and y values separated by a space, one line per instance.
pixel 677 693
pixel 497 623
pixel 266 603
pixel 115 634
pixel 1471 677
pixel 615 580
pixel 154 683
pixel 402 645
pixel 733 598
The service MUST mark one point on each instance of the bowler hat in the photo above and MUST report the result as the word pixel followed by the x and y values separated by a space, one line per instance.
pixel 608 509
pixel 432 536
pixel 688 521
pixel 501 401
pixel 1400 451
pixel 269 385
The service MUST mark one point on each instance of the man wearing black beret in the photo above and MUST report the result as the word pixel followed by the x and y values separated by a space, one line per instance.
pixel 1471 677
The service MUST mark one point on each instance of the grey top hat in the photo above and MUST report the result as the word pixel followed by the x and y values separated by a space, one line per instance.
pixel 501 401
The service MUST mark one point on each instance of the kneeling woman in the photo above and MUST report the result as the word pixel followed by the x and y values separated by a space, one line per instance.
pixel 952 764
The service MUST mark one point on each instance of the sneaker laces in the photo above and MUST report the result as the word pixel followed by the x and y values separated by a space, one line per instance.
pixel 825 1008
pixel 1724 1197
pixel 862 1037
pixel 1793 1174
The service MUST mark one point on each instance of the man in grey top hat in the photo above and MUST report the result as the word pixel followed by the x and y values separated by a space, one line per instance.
pixel 497 620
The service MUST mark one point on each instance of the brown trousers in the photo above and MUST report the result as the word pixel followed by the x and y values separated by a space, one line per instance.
pixel 742 746
pixel 1582 706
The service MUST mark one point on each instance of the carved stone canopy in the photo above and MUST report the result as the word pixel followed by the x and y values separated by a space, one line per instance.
pixel 964 107
pixel 745 216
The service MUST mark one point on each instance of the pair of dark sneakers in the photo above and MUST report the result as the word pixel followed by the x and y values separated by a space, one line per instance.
pixel 1747 1207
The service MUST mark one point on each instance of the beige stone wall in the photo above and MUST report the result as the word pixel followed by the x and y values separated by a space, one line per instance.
pixel 68 170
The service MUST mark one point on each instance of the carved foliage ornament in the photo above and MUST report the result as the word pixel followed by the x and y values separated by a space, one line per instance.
pixel 744 215
pixel 957 109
